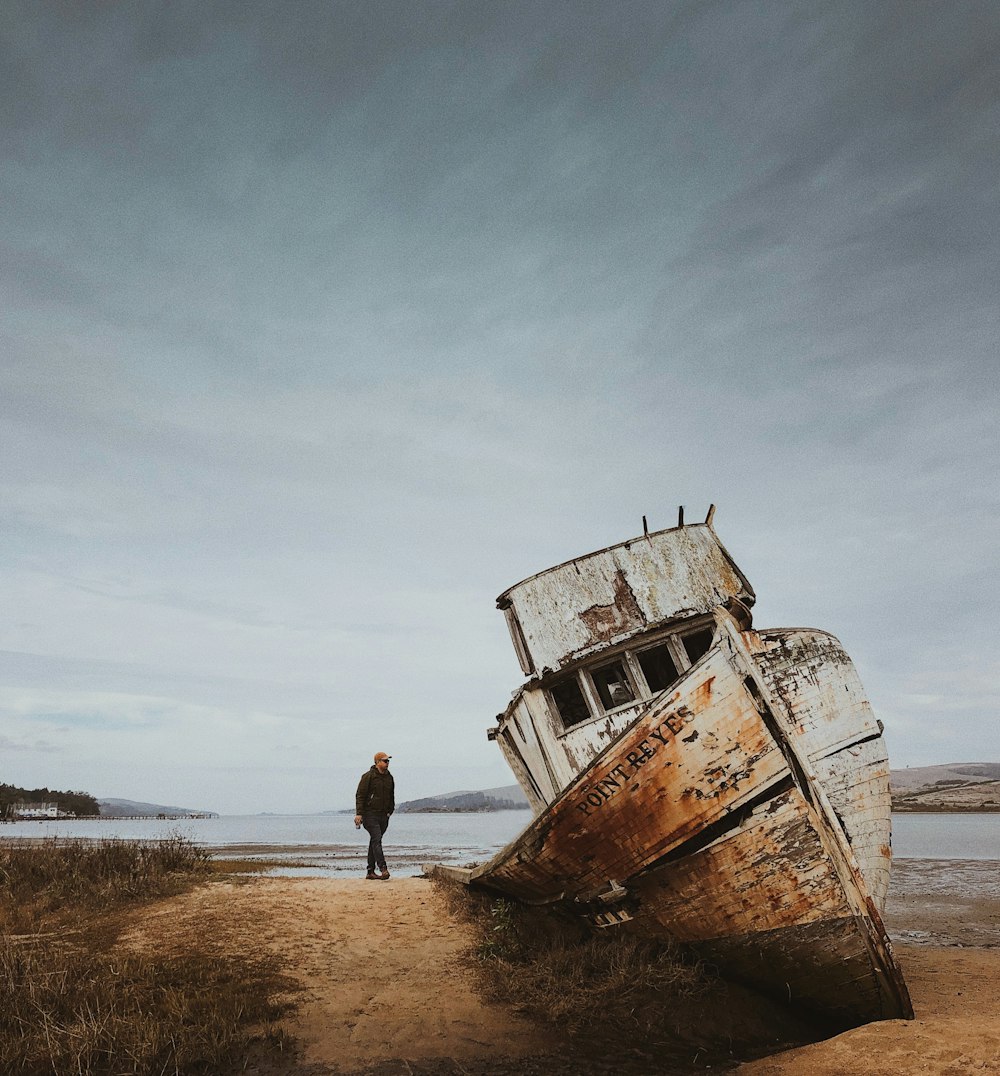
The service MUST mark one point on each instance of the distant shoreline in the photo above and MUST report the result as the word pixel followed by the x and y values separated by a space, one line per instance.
pixel 902 809
pixel 439 810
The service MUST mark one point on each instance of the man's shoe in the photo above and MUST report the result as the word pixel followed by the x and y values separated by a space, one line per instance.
pixel 371 876
pixel 384 875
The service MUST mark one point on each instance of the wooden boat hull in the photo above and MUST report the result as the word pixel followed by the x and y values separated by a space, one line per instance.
pixel 704 822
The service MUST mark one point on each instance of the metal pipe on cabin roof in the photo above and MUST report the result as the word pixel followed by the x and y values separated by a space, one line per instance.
pixel 680 516
pixel 645 527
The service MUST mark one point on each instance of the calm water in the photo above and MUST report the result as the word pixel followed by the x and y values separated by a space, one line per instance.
pixel 309 844
pixel 946 836
pixel 329 844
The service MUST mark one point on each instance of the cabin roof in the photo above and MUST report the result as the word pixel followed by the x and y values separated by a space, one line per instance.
pixel 594 601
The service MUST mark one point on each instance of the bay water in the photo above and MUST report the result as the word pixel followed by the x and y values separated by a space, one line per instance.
pixel 328 844
pixel 315 844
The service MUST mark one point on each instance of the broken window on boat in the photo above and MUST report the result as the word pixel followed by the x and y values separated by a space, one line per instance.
pixel 657 664
pixel 612 683
pixel 569 700
pixel 697 643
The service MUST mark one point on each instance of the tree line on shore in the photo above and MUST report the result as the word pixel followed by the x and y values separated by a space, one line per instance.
pixel 81 804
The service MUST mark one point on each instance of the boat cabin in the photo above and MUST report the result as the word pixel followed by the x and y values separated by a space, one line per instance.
pixel 601 635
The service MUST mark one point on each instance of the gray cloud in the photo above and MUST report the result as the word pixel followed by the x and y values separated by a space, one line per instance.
pixel 323 328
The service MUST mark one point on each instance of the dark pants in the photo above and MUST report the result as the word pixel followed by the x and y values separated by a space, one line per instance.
pixel 376 824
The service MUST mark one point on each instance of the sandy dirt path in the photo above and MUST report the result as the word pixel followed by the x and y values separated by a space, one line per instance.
pixel 390 978
pixel 384 970
pixel 388 986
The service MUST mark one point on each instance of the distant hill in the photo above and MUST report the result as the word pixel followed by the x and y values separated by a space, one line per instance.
pixel 112 808
pixel 507 798
pixel 914 777
pixel 956 786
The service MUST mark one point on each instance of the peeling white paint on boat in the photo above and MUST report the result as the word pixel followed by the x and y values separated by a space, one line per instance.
pixel 695 778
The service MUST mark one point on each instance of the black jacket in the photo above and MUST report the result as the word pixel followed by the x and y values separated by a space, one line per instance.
pixel 376 793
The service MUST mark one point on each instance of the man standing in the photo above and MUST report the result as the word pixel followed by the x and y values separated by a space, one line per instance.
pixel 374 802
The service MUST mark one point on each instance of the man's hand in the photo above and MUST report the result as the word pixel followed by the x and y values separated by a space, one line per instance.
pixel 357 820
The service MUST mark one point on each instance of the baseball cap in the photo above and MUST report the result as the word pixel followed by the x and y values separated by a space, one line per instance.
pixel 379 755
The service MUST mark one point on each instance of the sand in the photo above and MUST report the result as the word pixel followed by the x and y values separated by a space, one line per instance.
pixel 956 998
pixel 387 985
pixel 381 966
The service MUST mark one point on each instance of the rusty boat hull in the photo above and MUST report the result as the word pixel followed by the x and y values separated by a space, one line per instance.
pixel 702 823
pixel 699 780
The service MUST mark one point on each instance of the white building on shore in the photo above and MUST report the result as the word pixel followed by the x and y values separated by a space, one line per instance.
pixel 36 810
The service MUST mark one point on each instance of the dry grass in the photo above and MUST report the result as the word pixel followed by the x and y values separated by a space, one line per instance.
pixel 46 880
pixel 607 984
pixel 623 1000
pixel 84 1011
pixel 73 1001
pixel 234 869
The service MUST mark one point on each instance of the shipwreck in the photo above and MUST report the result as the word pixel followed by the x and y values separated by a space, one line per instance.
pixel 696 778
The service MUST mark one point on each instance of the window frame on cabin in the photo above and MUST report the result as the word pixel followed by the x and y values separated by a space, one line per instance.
pixel 628 657
pixel 554 705
pixel 621 660
pixel 668 643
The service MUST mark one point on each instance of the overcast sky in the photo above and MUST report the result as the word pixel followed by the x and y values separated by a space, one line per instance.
pixel 324 323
